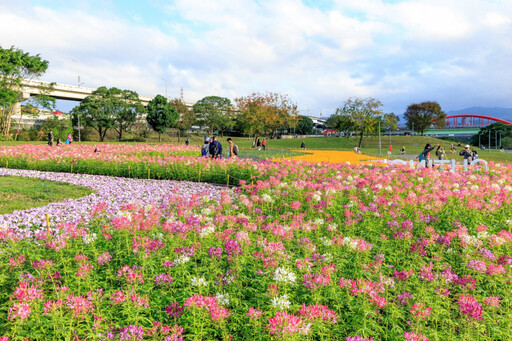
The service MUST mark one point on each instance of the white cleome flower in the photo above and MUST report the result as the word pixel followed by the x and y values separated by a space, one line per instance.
pixel 281 303
pixel 198 282
pixel 222 299
pixel 285 276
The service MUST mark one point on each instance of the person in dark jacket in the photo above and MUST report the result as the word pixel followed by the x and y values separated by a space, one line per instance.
pixel 215 149
pixel 425 154
pixel 205 150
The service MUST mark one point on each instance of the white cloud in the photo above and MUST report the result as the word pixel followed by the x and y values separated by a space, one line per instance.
pixel 397 52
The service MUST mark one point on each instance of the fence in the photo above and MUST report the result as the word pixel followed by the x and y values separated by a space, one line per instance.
pixel 452 163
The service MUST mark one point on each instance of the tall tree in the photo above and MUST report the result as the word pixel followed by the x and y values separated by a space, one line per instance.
pixel 15 66
pixel 161 115
pixel 422 115
pixel 187 117
pixel 264 114
pixel 214 113
pixel 363 113
pixel 127 110
pixel 98 110
pixel 305 126
pixel 341 123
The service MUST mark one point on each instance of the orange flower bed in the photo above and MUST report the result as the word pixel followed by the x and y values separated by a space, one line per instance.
pixel 331 156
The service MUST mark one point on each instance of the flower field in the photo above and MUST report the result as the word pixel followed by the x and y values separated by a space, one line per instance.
pixel 299 251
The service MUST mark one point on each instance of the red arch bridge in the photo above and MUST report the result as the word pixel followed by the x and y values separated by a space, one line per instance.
pixel 469 121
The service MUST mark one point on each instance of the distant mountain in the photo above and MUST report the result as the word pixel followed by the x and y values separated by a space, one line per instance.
pixel 502 113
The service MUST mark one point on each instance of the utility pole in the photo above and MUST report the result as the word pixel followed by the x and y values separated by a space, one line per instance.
pixel 380 143
pixel 489 140
pixel 496 139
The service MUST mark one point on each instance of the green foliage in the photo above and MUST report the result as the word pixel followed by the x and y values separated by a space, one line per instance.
pixel 266 114
pixel 495 130
pixel 15 65
pixel 186 116
pixel 60 127
pixel 17 193
pixel 214 113
pixel 108 108
pixel 305 126
pixel 362 114
pixel 161 114
pixel 420 116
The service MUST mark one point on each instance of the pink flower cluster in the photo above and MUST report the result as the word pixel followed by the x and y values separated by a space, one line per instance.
pixel 216 311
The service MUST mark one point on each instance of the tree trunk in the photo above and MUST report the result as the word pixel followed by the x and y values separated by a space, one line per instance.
pixel 360 139
pixel 178 133
pixel 120 135
pixel 159 137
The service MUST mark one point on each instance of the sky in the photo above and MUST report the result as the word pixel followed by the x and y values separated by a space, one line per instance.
pixel 318 52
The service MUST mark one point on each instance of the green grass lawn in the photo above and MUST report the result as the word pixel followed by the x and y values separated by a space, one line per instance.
pixel 20 193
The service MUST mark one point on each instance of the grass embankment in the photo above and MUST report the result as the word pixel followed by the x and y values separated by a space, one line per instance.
pixel 22 193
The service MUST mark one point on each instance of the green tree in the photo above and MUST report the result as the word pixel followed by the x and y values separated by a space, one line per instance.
pixel 127 110
pixel 34 103
pixel 161 115
pixel 98 110
pixel 60 126
pixel 214 113
pixel 265 114
pixel 15 66
pixel 362 113
pixel 341 123
pixel 187 117
pixel 420 116
pixel 305 126
pixel 389 121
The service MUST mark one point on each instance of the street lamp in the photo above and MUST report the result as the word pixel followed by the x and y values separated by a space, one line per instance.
pixel 165 87
pixel 78 64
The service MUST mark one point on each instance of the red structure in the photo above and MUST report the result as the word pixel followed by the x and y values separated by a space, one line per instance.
pixel 471 121
pixel 330 132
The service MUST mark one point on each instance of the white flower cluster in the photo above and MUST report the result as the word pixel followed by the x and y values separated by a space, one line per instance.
pixel 125 214
pixel 181 260
pixel 471 240
pixel 328 257
pixel 326 241
pixel 281 303
pixel 198 282
pixel 207 230
pixel 285 276
pixel 482 235
pixel 318 221
pixel 222 299
pixel 206 211
pixel 89 238
pixel 267 198
pixel 316 197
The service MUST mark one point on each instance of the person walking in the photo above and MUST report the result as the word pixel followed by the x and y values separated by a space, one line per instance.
pixel 50 138
pixel 466 152
pixel 402 151
pixel 425 154
pixel 303 145
pixel 258 144
pixel 215 149
pixel 264 144
pixel 187 142
pixel 69 139
pixel 233 149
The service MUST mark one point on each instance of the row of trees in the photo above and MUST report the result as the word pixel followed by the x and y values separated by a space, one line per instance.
pixel 254 115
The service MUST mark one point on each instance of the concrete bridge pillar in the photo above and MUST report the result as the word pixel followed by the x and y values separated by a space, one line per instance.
pixel 17 107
